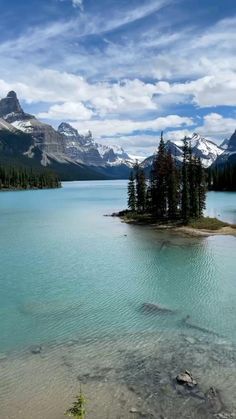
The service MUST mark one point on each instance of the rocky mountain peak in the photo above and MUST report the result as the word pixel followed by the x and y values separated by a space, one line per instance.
pixel 67 130
pixel 10 105
pixel 12 94
pixel 11 110
pixel 232 142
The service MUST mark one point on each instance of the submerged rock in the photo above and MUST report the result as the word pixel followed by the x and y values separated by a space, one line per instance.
pixel 36 350
pixel 186 378
pixel 150 308
pixel 187 323
pixel 190 340
pixel 134 410
pixel 214 400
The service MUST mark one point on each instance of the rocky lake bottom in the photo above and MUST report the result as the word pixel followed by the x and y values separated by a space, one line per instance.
pixel 128 377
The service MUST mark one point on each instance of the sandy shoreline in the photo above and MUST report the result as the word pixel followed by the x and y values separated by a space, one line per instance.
pixel 126 378
pixel 194 232
pixel 183 230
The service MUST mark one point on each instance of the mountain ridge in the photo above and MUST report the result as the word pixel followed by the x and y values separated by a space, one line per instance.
pixel 67 150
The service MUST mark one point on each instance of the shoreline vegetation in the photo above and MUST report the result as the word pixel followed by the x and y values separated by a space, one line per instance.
pixel 173 197
pixel 204 226
pixel 22 179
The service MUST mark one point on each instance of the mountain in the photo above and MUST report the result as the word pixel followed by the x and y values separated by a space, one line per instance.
pixel 10 108
pixel 46 138
pixel 84 149
pixel 224 144
pixel 229 154
pixel 71 155
pixel 27 142
pixel 202 148
pixel 232 143
pixel 18 149
pixel 25 139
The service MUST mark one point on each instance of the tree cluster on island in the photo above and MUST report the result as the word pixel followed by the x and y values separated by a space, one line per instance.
pixel 172 193
pixel 12 178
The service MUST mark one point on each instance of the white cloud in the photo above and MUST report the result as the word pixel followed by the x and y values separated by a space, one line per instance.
pixel 215 125
pixel 205 58
pixel 78 3
pixel 127 97
pixel 68 111
pixel 116 127
pixel 213 90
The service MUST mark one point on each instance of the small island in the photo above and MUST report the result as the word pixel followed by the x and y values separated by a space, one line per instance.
pixel 173 197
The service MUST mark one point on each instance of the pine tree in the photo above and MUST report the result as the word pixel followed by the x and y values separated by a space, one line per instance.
pixel 131 193
pixel 201 187
pixel 185 199
pixel 172 188
pixel 193 185
pixel 141 188
pixel 158 182
pixel 18 178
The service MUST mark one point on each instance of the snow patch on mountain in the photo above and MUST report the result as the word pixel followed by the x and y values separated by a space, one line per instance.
pixel 83 148
pixel 25 126
pixel 202 148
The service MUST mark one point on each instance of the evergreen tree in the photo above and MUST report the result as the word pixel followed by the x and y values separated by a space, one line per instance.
pixel 174 193
pixel 201 187
pixel 185 198
pixel 193 185
pixel 172 188
pixel 141 188
pixel 158 181
pixel 222 177
pixel 18 178
pixel 131 193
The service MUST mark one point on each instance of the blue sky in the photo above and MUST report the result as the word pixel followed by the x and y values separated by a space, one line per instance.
pixel 123 69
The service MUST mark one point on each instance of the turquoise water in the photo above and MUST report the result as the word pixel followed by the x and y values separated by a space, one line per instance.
pixel 69 272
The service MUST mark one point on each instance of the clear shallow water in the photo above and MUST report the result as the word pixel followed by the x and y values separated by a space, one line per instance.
pixel 74 281
pixel 222 205
pixel 69 272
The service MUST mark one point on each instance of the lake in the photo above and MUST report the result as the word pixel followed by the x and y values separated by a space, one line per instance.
pixel 73 289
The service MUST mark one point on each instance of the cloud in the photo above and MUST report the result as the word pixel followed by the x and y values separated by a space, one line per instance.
pixel 117 127
pixel 126 70
pixel 133 97
pixel 78 3
pixel 215 125
pixel 212 90
pixel 68 111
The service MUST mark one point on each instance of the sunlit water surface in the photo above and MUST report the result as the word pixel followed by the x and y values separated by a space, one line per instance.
pixel 69 273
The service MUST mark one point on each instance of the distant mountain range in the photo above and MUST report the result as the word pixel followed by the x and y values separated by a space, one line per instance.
pixel 27 141
pixel 206 150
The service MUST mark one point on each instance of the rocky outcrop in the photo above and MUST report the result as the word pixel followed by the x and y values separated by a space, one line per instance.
pixel 48 140
pixel 185 378
pixel 11 110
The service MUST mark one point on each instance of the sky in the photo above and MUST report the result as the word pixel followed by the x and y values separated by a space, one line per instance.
pixel 126 70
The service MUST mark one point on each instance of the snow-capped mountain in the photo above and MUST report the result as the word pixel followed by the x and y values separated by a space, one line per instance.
pixel 64 146
pixel 84 149
pixel 202 148
pixel 46 138
pixel 229 154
